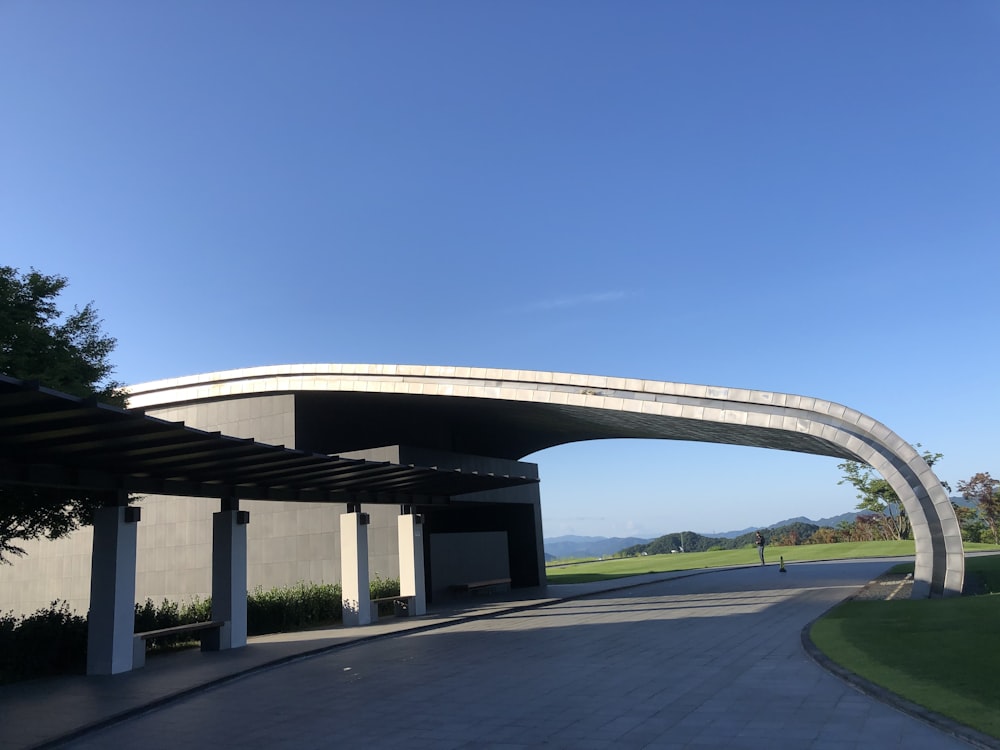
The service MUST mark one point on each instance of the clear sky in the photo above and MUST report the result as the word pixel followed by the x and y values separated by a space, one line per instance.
pixel 790 196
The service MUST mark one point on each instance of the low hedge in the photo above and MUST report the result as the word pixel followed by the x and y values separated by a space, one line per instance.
pixel 50 641
pixel 54 640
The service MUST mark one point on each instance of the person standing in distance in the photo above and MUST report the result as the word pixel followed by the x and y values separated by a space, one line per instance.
pixel 759 541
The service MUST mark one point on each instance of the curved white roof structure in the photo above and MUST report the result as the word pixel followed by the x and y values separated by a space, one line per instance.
pixel 513 413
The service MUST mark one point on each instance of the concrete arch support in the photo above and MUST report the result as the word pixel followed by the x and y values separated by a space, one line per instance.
pixel 510 414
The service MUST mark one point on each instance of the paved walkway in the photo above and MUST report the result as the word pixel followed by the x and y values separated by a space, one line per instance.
pixel 682 661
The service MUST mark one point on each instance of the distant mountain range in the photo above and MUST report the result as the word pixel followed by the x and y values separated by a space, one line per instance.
pixel 570 546
pixel 832 522
pixel 562 547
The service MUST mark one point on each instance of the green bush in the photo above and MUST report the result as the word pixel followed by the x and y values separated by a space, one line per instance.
pixel 8 651
pixel 170 614
pixel 295 607
pixel 307 605
pixel 197 610
pixel 381 588
pixel 54 640
pixel 49 641
pixel 275 610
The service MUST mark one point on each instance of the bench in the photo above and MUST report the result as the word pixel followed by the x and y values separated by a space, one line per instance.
pixel 494 586
pixel 403 606
pixel 208 635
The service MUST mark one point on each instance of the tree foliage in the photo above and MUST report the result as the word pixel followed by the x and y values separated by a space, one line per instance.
pixel 67 353
pixel 984 491
pixel 877 496
pixel 972 526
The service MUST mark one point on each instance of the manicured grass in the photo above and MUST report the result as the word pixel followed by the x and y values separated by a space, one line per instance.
pixel 943 654
pixel 630 566
pixel 985 569
pixel 603 570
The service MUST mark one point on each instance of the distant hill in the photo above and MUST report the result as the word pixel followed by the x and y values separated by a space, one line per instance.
pixel 562 547
pixel 832 522
pixel 689 541
pixel 598 546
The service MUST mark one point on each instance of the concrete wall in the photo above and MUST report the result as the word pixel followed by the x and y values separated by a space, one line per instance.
pixel 49 571
pixel 466 558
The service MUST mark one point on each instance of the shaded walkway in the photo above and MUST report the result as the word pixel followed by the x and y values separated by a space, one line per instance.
pixel 709 660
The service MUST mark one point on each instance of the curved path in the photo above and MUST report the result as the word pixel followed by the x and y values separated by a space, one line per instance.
pixel 712 660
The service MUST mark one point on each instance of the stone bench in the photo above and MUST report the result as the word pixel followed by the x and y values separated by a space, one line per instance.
pixel 403 606
pixel 208 635
pixel 493 586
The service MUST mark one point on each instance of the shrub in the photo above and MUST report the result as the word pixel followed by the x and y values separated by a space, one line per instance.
pixel 49 641
pixel 292 607
pixel 381 588
pixel 8 626
pixel 197 610
pixel 170 614
pixel 54 640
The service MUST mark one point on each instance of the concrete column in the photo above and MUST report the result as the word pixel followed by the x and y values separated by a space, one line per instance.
pixel 355 587
pixel 229 574
pixel 111 623
pixel 539 535
pixel 411 561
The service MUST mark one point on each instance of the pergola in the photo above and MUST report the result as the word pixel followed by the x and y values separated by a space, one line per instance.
pixel 57 442
pixel 50 439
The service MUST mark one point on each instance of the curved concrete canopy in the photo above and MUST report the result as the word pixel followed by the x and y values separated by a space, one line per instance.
pixel 513 413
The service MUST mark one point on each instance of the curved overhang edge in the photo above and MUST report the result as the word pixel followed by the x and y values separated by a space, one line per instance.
pixel 940 562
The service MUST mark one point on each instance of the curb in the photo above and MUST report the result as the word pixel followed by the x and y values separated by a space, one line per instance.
pixel 883 695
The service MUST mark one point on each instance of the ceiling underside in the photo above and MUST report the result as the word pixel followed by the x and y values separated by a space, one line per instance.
pixel 336 422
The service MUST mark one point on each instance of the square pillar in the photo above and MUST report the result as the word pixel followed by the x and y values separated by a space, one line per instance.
pixel 411 561
pixel 111 623
pixel 355 588
pixel 229 576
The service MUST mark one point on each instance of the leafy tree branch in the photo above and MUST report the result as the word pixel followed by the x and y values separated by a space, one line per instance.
pixel 65 352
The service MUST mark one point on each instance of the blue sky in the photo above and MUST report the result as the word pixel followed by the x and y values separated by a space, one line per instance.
pixel 796 197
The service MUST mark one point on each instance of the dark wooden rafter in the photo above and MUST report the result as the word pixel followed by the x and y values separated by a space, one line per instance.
pixel 56 440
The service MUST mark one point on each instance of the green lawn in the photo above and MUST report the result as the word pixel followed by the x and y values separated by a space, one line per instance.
pixel 943 654
pixel 602 570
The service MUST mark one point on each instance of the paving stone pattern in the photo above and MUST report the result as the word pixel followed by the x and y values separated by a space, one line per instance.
pixel 708 661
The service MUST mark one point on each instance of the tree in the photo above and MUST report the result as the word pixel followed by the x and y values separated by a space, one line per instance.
pixel 984 490
pixel 845 531
pixel 37 343
pixel 824 535
pixel 877 495
pixel 66 353
pixel 969 522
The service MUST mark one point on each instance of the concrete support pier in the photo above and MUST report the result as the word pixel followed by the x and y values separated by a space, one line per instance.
pixel 355 587
pixel 411 561
pixel 112 591
pixel 229 574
